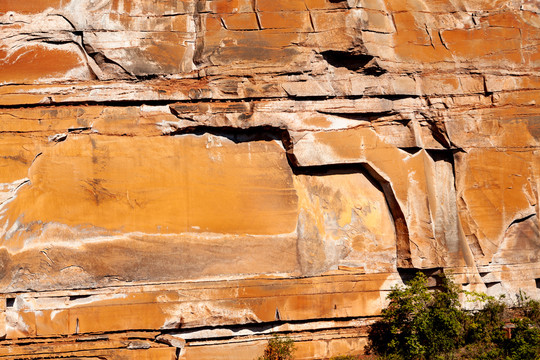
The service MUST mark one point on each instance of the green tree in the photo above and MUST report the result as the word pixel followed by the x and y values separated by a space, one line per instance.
pixel 428 324
pixel 418 323
pixel 278 348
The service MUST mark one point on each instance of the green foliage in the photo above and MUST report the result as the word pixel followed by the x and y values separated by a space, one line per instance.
pixel 278 348
pixel 429 324
pixel 419 323
pixel 485 326
pixel 530 307
pixel 525 341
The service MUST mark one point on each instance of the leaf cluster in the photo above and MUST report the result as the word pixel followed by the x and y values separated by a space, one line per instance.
pixel 278 348
pixel 425 324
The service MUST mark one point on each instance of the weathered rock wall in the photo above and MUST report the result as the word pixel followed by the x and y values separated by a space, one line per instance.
pixel 180 179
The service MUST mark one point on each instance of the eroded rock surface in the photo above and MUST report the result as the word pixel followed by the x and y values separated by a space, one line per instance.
pixel 181 179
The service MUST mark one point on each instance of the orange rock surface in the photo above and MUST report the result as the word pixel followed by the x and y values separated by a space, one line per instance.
pixel 183 179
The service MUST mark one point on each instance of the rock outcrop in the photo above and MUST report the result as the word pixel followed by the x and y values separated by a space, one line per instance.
pixel 181 179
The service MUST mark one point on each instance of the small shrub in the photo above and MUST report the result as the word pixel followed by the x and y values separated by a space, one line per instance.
pixel 278 348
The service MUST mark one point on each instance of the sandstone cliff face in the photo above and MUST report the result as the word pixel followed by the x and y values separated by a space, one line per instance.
pixel 180 179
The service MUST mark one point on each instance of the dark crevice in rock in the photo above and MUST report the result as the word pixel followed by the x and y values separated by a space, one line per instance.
pixel 92 338
pixel 52 41
pixel 33 160
pixel 66 19
pixel 431 273
pixel 367 116
pixel 50 101
pixel 395 96
pixel 521 219
pixel 354 62
pixel 286 73
pixel 110 68
pixel 442 40
pixel 147 77
pixel 335 169
pixel 404 259
pixel 79 129
pixel 259 328
pixel 237 135
pixel 491 284
pixel 411 150
pixel 442 155
pixel 111 103
pixel 486 90
pixel 438 131
pixel 25 182
pixel 10 302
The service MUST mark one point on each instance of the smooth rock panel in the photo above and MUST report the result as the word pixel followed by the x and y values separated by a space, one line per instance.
pixel 182 179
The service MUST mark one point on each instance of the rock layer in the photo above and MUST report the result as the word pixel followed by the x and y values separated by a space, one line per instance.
pixel 181 179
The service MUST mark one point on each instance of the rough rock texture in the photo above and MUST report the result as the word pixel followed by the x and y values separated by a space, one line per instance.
pixel 180 179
